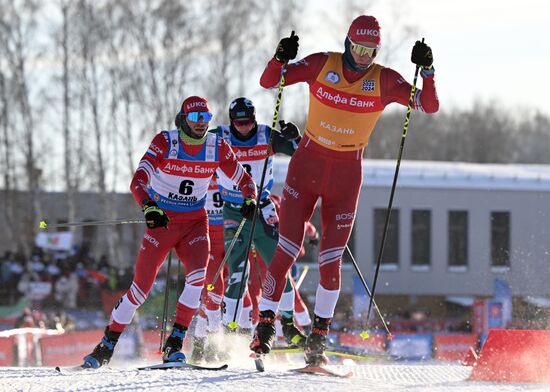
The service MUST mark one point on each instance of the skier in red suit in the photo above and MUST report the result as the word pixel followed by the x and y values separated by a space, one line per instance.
pixel 170 185
pixel 347 93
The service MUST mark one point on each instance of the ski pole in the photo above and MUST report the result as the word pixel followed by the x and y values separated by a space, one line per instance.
pixel 43 225
pixel 386 223
pixel 233 325
pixel 365 334
pixel 210 286
pixel 302 277
pixel 165 309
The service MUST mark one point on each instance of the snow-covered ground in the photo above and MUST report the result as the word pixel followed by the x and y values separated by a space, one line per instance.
pixel 239 377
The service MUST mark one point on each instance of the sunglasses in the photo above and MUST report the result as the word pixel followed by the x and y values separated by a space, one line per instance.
pixel 198 116
pixel 243 123
pixel 362 50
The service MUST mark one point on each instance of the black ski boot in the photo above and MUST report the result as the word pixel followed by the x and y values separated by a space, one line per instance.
pixel 264 333
pixel 103 351
pixel 293 336
pixel 316 342
pixel 171 350
pixel 197 356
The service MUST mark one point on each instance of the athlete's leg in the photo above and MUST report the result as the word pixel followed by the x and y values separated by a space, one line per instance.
pixel 235 289
pixel 297 204
pixel 155 245
pixel 212 299
pixel 193 250
pixel 337 216
pixel 257 275
pixel 299 197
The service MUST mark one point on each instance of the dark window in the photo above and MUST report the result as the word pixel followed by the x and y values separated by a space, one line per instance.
pixel 458 238
pixel 421 237
pixel 500 239
pixel 391 247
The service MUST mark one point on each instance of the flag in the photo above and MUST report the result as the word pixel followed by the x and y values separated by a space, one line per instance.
pixel 55 241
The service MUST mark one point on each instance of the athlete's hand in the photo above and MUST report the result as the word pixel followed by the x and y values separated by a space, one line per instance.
pixel 248 208
pixel 287 48
pixel 289 130
pixel 154 215
pixel 422 54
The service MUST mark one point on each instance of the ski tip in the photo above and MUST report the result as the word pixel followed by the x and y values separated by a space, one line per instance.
pixel 320 370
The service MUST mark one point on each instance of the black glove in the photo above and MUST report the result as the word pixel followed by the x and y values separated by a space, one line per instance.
pixel 314 241
pixel 422 54
pixel 154 215
pixel 287 48
pixel 248 208
pixel 289 130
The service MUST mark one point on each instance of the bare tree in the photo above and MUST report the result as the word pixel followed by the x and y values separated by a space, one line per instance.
pixel 17 25
pixel 6 168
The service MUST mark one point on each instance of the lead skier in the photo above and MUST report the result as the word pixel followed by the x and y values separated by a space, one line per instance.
pixel 347 93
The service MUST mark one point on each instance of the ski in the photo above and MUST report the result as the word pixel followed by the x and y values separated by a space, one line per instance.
pixel 322 371
pixel 72 369
pixel 182 365
pixel 339 353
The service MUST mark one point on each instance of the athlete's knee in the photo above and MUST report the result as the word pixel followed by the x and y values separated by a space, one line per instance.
pixel 290 249
pixel 196 277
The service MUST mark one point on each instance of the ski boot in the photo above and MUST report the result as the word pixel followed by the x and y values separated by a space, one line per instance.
pixel 316 342
pixel 197 356
pixel 171 350
pixel 103 351
pixel 264 333
pixel 293 336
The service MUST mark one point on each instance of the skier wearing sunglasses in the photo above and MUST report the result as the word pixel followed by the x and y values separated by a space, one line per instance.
pixel 347 93
pixel 170 185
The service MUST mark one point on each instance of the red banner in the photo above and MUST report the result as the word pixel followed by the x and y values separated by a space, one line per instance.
pixel 69 348
pixel 453 347
pixel 7 352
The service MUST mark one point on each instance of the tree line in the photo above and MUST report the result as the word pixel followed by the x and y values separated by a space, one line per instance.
pixel 84 85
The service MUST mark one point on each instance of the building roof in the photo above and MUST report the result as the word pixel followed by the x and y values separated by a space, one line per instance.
pixel 438 174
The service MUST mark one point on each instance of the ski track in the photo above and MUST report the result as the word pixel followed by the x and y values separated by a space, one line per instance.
pixel 378 377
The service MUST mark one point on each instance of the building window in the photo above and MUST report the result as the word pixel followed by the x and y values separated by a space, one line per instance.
pixel 458 239
pixel 500 239
pixel 391 247
pixel 421 238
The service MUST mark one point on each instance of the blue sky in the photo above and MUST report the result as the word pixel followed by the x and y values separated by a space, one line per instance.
pixel 483 49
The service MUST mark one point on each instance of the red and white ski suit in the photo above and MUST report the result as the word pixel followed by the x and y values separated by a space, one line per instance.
pixel 343 109
pixel 176 176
